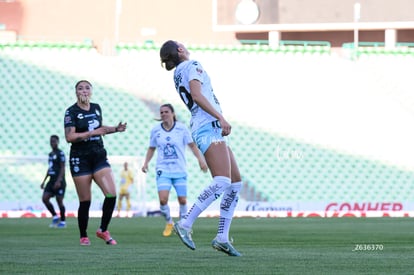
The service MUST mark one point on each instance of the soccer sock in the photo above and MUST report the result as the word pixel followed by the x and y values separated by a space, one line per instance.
pixel 62 213
pixel 227 206
pixel 188 219
pixel 83 217
pixel 183 210
pixel 165 211
pixel 51 209
pixel 107 210
pixel 128 202
pixel 210 194
pixel 119 205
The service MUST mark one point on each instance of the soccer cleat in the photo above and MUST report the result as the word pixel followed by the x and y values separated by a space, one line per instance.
pixel 55 222
pixel 225 247
pixel 61 225
pixel 168 230
pixel 85 241
pixel 184 235
pixel 106 236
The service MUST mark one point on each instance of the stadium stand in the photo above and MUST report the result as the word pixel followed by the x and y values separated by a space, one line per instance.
pixel 279 162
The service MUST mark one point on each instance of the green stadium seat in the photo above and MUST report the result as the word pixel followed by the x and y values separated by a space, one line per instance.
pixel 322 175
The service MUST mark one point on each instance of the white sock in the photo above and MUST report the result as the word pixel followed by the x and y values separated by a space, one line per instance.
pixel 210 194
pixel 188 219
pixel 183 210
pixel 165 211
pixel 227 206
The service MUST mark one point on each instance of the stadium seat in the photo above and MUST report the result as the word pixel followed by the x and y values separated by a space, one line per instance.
pixel 44 89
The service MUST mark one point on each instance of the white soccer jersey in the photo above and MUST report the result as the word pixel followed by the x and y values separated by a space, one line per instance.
pixel 183 74
pixel 170 148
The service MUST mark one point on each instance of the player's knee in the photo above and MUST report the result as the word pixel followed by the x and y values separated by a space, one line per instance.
pixel 182 200
pixel 164 201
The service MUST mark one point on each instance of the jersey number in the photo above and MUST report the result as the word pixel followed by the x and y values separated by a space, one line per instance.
pixel 186 98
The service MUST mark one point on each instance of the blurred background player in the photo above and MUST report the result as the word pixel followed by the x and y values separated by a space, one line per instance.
pixel 171 137
pixel 56 185
pixel 88 159
pixel 209 127
pixel 127 179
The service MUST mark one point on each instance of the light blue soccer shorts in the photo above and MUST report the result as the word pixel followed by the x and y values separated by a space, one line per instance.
pixel 207 135
pixel 177 180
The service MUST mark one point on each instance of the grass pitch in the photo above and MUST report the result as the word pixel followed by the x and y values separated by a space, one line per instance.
pixel 268 245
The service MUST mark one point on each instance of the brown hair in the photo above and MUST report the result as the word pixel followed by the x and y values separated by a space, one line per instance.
pixel 169 55
pixel 169 106
pixel 79 82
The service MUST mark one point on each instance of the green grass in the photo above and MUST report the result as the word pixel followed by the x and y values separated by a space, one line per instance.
pixel 268 245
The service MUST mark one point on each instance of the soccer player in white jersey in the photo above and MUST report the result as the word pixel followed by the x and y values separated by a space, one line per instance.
pixel 170 138
pixel 209 128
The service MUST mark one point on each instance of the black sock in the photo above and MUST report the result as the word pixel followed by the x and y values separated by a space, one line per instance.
pixel 83 217
pixel 62 213
pixel 51 209
pixel 107 210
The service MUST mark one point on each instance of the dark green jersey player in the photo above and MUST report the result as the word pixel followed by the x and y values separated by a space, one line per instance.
pixel 56 185
pixel 88 160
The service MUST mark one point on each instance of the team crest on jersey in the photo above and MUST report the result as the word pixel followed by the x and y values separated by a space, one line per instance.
pixel 170 152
